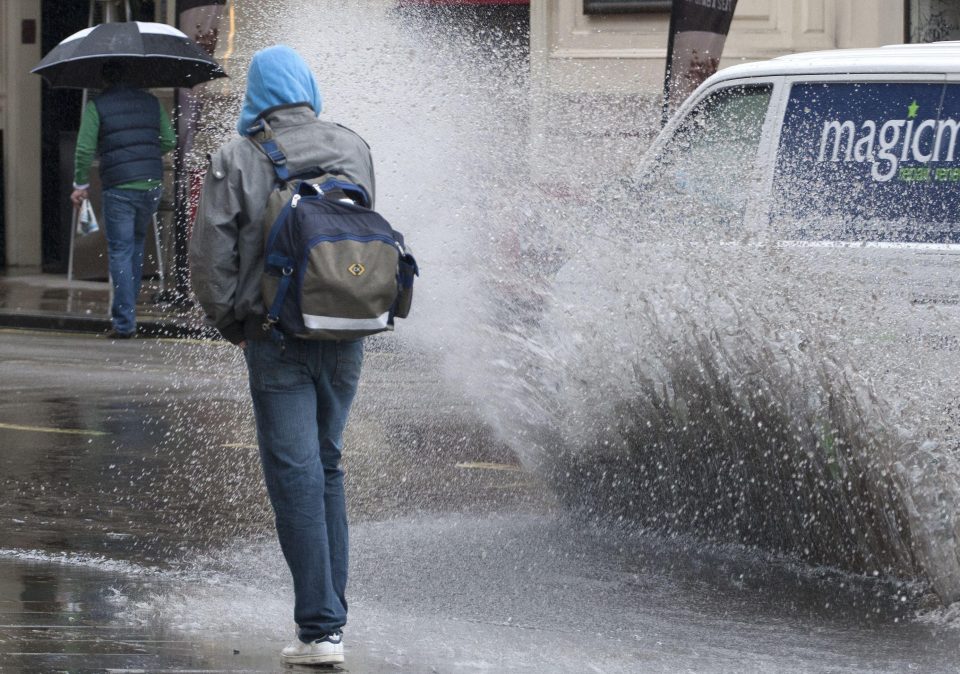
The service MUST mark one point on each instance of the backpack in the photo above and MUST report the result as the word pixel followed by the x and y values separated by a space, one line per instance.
pixel 333 268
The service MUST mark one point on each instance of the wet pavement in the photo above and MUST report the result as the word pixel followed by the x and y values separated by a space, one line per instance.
pixel 119 460
pixel 50 301
pixel 134 536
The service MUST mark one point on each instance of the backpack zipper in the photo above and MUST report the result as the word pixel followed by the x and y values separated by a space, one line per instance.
pixel 353 237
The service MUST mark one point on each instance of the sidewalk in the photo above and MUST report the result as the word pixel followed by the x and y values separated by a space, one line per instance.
pixel 50 302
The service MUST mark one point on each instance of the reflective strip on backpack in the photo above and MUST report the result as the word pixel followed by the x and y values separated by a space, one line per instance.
pixel 336 323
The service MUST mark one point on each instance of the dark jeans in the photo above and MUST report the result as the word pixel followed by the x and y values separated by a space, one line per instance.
pixel 302 394
pixel 127 215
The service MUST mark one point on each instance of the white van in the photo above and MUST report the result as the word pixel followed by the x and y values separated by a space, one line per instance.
pixel 841 169
pixel 848 158
pixel 845 145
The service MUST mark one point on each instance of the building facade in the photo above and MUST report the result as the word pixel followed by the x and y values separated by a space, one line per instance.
pixel 38 125
pixel 590 59
pixel 604 61
pixel 20 25
pixel 625 51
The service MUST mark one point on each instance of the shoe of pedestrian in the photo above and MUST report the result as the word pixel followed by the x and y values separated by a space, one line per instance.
pixel 327 650
pixel 113 333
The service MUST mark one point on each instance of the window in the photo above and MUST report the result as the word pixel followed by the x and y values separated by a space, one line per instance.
pixel 703 176
pixel 625 6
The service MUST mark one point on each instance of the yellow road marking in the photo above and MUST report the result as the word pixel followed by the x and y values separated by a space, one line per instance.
pixel 42 429
pixel 230 34
pixel 483 465
pixel 48 333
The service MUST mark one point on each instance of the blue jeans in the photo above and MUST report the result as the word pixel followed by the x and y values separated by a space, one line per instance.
pixel 127 215
pixel 302 392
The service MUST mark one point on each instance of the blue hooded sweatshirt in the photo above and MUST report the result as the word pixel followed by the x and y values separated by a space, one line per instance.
pixel 277 76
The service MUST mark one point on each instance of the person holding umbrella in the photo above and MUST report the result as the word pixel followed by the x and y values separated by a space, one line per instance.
pixel 132 132
pixel 129 128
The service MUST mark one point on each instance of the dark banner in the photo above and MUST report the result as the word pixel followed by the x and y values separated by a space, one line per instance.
pixel 200 20
pixel 698 30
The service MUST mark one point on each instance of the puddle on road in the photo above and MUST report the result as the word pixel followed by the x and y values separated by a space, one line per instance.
pixel 437 591
pixel 174 468
pixel 429 585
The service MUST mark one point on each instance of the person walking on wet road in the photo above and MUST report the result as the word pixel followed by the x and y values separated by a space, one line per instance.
pixel 132 132
pixel 301 390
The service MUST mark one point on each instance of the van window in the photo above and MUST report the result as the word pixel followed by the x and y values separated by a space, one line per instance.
pixel 869 162
pixel 702 174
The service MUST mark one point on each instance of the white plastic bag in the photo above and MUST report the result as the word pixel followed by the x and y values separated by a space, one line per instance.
pixel 87 219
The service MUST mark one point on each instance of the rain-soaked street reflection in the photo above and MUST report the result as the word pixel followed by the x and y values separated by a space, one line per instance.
pixel 122 549
pixel 148 453
pixel 529 455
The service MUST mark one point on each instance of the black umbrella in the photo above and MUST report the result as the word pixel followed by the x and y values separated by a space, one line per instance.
pixel 153 54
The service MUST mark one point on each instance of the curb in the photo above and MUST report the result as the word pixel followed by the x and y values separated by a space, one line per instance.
pixel 64 322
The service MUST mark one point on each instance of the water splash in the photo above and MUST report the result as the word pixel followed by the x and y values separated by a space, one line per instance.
pixel 724 388
pixel 747 393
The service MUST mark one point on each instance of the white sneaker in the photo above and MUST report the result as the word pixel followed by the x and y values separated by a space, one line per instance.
pixel 325 651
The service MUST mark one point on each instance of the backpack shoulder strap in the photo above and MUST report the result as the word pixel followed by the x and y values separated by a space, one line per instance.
pixel 261 135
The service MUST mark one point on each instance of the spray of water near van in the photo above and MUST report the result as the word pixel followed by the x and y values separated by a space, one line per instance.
pixel 663 366
pixel 710 360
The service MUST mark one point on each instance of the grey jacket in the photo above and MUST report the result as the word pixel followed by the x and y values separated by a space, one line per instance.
pixel 226 247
